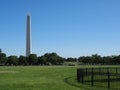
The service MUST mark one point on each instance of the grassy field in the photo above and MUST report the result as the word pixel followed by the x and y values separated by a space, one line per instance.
pixel 42 78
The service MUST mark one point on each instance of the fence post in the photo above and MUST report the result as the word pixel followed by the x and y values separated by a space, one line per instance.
pixel 86 71
pixel 92 77
pixel 78 75
pixel 116 70
pixel 82 75
pixel 108 78
pixel 99 70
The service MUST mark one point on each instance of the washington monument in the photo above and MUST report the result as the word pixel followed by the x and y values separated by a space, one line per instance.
pixel 28 36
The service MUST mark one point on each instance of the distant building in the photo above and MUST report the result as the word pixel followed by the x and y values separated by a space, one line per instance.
pixel 28 36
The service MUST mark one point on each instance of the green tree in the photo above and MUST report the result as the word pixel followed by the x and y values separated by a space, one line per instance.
pixel 12 60
pixel 53 58
pixel 107 59
pixel 50 58
pixel 0 50
pixel 96 59
pixel 2 55
pixel 70 59
pixel 42 60
pixel 32 59
pixel 115 60
pixel 60 60
pixel 22 60
pixel 85 60
pixel 3 59
pixel 47 56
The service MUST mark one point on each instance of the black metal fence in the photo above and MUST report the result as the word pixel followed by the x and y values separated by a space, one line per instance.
pixel 105 77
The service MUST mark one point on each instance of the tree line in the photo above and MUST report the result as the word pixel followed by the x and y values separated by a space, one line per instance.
pixel 54 59
pixel 103 60
pixel 33 59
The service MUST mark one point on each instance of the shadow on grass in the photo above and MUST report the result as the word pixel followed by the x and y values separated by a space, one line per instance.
pixel 105 80
pixel 87 86
pixel 72 83
pixel 98 81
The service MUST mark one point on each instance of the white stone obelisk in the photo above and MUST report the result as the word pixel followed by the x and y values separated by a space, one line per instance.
pixel 28 36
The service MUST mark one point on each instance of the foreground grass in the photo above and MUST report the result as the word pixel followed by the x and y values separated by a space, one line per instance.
pixel 41 78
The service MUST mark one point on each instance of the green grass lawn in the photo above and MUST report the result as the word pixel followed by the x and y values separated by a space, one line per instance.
pixel 41 78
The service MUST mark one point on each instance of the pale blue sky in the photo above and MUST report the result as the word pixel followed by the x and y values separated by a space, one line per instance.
pixel 71 28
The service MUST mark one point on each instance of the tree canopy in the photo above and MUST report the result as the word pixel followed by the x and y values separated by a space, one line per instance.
pixel 55 59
